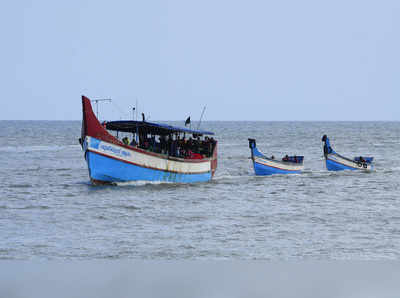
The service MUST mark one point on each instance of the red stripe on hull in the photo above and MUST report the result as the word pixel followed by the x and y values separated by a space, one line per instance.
pixel 275 167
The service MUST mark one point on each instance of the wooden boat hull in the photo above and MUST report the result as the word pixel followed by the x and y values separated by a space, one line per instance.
pixel 336 162
pixel 110 161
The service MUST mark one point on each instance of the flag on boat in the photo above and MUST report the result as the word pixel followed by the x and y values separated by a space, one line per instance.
pixel 187 121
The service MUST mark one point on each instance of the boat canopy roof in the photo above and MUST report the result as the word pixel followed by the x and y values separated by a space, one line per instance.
pixel 151 127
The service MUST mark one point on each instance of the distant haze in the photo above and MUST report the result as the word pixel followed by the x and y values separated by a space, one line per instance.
pixel 244 60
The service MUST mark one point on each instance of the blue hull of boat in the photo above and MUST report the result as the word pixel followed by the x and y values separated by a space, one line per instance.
pixel 336 162
pixel 263 170
pixel 334 166
pixel 107 169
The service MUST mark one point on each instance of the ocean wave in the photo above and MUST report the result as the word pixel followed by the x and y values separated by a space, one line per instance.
pixel 229 177
pixel 41 207
pixel 128 207
pixel 25 149
pixel 21 185
pixel 62 169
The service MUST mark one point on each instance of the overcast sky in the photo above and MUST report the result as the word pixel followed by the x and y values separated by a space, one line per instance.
pixel 244 60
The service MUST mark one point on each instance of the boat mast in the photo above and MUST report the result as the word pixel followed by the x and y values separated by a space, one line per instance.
pixel 137 130
pixel 201 117
pixel 137 109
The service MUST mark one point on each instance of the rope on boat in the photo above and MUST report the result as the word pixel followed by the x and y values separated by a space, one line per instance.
pixel 119 111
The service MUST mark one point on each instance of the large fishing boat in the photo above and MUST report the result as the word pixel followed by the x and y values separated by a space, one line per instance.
pixel 120 151
pixel 337 162
pixel 264 165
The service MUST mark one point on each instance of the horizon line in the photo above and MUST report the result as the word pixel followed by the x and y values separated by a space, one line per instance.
pixel 196 121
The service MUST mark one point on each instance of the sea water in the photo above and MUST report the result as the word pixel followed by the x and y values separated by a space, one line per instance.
pixel 49 209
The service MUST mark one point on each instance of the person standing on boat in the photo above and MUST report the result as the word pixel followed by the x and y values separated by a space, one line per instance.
pixel 173 147
pixel 163 144
pixel 209 146
pixel 133 143
pixel 169 143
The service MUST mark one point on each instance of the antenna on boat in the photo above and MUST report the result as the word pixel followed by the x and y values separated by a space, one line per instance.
pixel 201 117
pixel 97 104
pixel 137 109
pixel 137 129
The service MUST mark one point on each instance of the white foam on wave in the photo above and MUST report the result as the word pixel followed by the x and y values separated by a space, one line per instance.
pixel 142 183
pixel 230 177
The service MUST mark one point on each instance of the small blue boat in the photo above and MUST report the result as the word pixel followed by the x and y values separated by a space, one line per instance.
pixel 336 162
pixel 268 166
